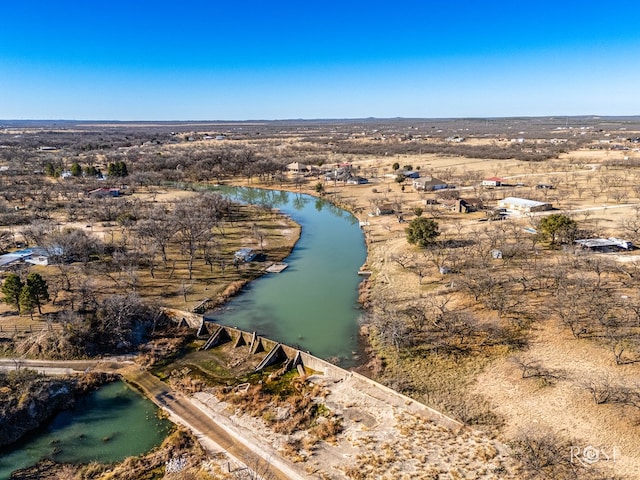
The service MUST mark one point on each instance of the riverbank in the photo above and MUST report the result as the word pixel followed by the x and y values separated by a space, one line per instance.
pixel 212 277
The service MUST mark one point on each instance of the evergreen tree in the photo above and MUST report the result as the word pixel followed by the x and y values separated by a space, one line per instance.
pixel 38 289
pixel 558 228
pixel 422 231
pixel 11 289
pixel 50 170
pixel 27 301
pixel 117 169
pixel 91 171
pixel 76 169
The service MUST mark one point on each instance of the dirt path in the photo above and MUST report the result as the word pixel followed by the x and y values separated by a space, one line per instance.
pixel 62 367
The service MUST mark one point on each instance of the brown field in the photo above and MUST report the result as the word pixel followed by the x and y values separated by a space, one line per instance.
pixel 476 379
pixel 601 198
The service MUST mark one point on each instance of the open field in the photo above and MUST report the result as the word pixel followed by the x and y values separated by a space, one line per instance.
pixel 543 338
pixel 596 187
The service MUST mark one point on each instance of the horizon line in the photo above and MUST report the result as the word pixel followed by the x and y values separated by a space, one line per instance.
pixel 317 119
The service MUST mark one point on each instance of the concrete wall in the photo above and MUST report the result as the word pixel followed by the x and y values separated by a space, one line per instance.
pixel 371 387
pixel 192 319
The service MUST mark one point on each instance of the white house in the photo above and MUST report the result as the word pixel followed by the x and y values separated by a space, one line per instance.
pixel 523 205
pixel 492 182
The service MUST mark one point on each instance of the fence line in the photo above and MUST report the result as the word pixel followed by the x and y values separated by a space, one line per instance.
pixel 12 329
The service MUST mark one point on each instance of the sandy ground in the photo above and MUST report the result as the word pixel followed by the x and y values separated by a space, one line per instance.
pixel 381 438
pixel 566 407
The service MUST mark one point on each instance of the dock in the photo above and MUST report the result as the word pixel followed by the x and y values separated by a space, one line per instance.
pixel 276 267
pixel 364 270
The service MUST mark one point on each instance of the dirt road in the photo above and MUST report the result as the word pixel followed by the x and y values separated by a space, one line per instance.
pixel 185 412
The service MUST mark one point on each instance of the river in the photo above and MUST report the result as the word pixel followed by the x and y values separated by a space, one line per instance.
pixel 108 425
pixel 313 304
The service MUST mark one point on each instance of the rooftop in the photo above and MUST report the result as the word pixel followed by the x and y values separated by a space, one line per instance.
pixel 524 202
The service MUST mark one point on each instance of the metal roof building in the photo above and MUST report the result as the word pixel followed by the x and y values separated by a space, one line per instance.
pixel 523 205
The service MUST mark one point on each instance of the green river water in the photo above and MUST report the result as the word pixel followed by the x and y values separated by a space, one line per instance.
pixel 108 425
pixel 313 303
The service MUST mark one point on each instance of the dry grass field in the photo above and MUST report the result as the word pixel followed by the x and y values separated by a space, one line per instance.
pixel 595 188
pixel 537 345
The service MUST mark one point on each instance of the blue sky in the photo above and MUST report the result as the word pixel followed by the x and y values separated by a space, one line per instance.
pixel 210 60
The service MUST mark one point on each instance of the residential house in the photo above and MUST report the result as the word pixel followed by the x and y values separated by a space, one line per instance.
pixel 611 244
pixel 468 205
pixel 104 192
pixel 492 182
pixel 355 180
pixel 35 256
pixel 460 205
pixel 384 209
pixel 429 184
pixel 411 174
pixel 297 167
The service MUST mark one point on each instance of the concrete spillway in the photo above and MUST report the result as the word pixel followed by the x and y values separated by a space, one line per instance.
pixel 261 353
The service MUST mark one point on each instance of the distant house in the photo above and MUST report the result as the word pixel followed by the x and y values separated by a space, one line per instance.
pixel 411 174
pixel 604 244
pixel 355 180
pixel 429 184
pixel 461 205
pixel 523 205
pixel 344 174
pixel 244 255
pixel 468 205
pixel 297 167
pixel 41 260
pixel 492 182
pixel 385 209
pixel 104 192
pixel 35 256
